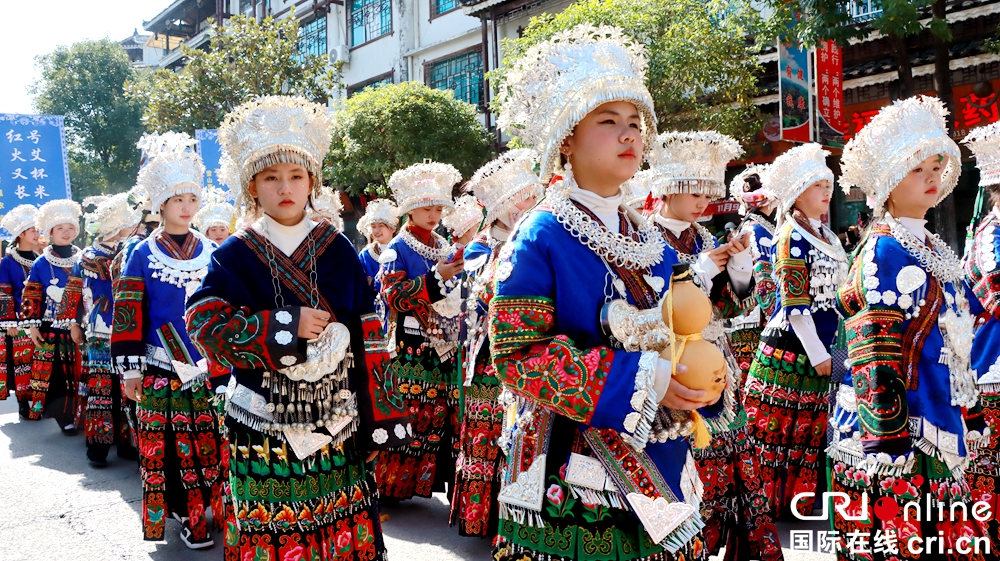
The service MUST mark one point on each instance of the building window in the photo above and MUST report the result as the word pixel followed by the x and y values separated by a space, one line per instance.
pixel 369 84
pixel 369 19
pixel 865 10
pixel 462 73
pixel 312 37
pixel 439 7
pixel 245 6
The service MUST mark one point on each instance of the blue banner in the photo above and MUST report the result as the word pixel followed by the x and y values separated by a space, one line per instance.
pixel 211 153
pixel 33 164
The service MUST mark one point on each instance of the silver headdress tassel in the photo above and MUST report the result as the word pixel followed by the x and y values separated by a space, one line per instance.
pixel 557 82
pixel 896 141
pixel 691 162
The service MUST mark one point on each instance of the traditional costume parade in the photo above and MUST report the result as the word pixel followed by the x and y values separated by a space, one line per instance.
pixel 757 204
pixel 785 396
pixel 590 457
pixel 502 186
pixel 302 413
pixel 422 333
pixel 55 369
pixel 87 304
pixel 177 424
pixel 983 276
pixel 899 415
pixel 17 348
pixel 734 505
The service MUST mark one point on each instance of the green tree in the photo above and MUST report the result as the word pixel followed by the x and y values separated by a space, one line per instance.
pixel 245 60
pixel 702 71
pixel 387 128
pixel 85 83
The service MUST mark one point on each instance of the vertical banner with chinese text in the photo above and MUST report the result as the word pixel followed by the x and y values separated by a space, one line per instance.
pixel 794 74
pixel 830 94
pixel 33 164
pixel 211 153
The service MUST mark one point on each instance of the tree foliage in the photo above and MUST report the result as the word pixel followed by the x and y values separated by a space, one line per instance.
pixel 85 83
pixel 702 71
pixel 245 60
pixel 387 128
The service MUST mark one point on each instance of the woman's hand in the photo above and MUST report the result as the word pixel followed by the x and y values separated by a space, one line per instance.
pixel 12 331
pixel 36 336
pixel 448 269
pixel 719 256
pixel 681 397
pixel 76 334
pixel 738 244
pixel 824 368
pixel 132 389
pixel 312 322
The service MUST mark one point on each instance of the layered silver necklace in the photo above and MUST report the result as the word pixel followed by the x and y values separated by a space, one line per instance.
pixel 436 254
pixel 613 247
pixel 26 263
pixel 61 262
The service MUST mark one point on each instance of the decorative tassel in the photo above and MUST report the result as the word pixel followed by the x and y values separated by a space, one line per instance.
pixel 701 436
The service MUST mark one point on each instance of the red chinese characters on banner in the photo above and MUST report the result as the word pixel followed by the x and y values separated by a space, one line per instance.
pixel 830 93
pixel 974 110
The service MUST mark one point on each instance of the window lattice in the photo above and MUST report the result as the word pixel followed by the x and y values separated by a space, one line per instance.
pixel 370 19
pixel 462 73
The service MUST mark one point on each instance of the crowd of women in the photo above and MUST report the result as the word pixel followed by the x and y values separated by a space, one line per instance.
pixel 534 363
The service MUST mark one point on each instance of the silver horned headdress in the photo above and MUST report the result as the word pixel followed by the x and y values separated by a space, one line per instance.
pixel 507 181
pixel 692 162
pixel 557 82
pixel 896 140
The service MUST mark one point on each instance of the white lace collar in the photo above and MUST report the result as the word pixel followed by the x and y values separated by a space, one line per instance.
pixel 606 208
pixel 916 226
pixel 675 226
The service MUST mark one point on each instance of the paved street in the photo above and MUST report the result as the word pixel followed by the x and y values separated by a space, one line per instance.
pixel 55 506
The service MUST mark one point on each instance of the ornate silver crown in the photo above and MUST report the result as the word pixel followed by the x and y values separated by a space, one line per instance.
pixel 467 214
pixel 271 130
pixel 984 142
pixel 112 215
pixel 557 82
pixel 54 213
pixel 637 189
pixel 19 219
pixel 172 167
pixel 794 171
pixel 427 184
pixel 327 205
pixel 216 210
pixel 692 162
pixel 506 181
pixel 381 211
pixel 894 143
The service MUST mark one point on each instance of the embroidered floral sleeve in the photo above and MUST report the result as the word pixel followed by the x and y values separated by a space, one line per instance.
pixel 71 309
pixel 597 386
pixel 128 330
pixel 32 301
pixel 8 306
pixel 791 273
pixel 981 267
pixel 235 338
pixel 765 291
pixel 881 372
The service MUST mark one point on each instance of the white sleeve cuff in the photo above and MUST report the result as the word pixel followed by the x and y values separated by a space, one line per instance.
pixel 740 268
pixel 662 380
pixel 805 329
pixel 706 269
pixel 132 374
